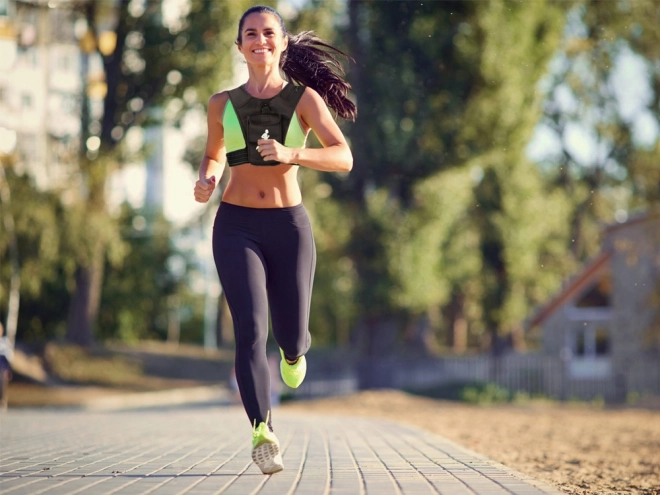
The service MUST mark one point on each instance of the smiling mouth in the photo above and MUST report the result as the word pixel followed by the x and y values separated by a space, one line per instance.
pixel 260 51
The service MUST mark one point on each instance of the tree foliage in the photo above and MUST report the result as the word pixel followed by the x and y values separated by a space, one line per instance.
pixel 445 231
pixel 448 95
pixel 157 63
pixel 604 85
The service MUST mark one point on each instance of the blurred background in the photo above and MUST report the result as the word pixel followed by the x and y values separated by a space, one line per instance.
pixel 498 237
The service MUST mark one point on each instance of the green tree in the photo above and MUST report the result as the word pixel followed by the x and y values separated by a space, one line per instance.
pixel 137 295
pixel 37 218
pixel 444 86
pixel 152 64
pixel 411 88
pixel 521 226
pixel 584 94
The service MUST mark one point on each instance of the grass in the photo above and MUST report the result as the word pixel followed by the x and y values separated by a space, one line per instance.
pixel 76 374
pixel 73 364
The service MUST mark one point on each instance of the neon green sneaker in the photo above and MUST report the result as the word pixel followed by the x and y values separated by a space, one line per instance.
pixel 266 449
pixel 293 374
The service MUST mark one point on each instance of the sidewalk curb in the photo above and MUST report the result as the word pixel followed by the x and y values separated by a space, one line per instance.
pixel 216 395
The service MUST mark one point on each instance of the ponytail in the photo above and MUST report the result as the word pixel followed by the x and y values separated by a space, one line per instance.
pixel 312 62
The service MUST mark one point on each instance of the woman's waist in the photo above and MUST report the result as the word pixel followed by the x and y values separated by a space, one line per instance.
pixel 241 220
pixel 262 192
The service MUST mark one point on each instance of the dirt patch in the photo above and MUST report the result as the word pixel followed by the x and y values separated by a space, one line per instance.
pixel 37 395
pixel 67 375
pixel 578 449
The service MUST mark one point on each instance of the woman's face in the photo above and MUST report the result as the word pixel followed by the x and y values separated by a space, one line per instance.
pixel 262 40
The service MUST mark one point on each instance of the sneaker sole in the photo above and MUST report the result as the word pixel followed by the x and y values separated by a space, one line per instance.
pixel 265 456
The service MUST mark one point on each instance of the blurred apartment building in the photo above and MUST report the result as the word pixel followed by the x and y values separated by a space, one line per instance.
pixel 40 88
pixel 48 63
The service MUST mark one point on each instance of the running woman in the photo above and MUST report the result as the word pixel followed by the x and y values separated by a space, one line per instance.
pixel 262 239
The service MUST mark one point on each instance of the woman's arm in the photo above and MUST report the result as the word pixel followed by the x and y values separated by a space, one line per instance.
pixel 335 156
pixel 213 162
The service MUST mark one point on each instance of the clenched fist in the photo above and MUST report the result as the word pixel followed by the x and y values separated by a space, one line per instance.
pixel 270 149
pixel 204 188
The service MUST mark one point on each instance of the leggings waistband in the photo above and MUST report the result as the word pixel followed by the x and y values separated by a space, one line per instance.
pixel 261 218
pixel 231 206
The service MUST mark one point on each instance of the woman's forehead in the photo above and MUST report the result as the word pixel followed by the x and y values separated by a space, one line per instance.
pixel 260 20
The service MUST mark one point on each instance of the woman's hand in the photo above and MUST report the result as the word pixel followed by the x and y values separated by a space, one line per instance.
pixel 273 150
pixel 204 188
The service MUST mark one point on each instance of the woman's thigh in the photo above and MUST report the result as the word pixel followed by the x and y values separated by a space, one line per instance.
pixel 291 266
pixel 242 272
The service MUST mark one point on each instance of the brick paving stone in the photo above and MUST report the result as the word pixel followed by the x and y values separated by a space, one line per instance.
pixel 206 450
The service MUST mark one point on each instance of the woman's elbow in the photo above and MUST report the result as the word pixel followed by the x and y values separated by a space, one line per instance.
pixel 348 162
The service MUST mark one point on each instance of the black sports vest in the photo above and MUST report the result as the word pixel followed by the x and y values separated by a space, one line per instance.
pixel 259 117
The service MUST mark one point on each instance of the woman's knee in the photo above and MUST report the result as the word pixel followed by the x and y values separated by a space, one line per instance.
pixel 294 348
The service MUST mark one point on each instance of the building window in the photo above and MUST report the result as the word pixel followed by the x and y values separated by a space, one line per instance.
pixel 30 55
pixel 63 62
pixel 602 342
pixel 26 101
pixel 580 348
pixel 597 295
pixel 591 342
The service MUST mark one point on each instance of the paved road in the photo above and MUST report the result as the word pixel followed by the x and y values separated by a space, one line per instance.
pixel 206 450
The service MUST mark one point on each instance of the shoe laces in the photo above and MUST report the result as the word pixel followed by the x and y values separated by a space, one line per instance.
pixel 258 430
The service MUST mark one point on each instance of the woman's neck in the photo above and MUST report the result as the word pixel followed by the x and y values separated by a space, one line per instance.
pixel 264 84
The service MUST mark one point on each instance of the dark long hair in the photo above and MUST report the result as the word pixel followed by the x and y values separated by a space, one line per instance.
pixel 310 61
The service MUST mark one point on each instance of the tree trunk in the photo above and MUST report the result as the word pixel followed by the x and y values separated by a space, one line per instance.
pixel 418 336
pixel 173 321
pixel 458 332
pixel 85 301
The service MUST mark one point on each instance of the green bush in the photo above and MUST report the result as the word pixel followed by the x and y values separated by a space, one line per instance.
pixel 489 393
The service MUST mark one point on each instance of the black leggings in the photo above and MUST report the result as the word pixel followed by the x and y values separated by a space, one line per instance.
pixel 265 258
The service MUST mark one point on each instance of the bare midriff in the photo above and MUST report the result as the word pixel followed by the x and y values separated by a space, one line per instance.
pixel 263 186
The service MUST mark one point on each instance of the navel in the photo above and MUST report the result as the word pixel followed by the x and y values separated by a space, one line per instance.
pixel 262 194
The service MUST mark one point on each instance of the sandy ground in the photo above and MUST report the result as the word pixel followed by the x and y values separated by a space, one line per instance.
pixel 35 395
pixel 578 449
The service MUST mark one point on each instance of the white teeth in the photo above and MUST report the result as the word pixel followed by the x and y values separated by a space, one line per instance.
pixel 260 51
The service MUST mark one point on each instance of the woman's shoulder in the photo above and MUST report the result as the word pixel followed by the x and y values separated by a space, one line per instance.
pixel 311 98
pixel 310 93
pixel 217 104
pixel 219 99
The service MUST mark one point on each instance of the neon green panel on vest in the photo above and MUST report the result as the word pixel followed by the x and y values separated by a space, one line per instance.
pixel 295 137
pixel 234 140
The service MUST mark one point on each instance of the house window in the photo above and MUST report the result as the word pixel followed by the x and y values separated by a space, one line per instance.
pixel 597 295
pixel 580 347
pixel 602 342
pixel 591 353
pixel 591 342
